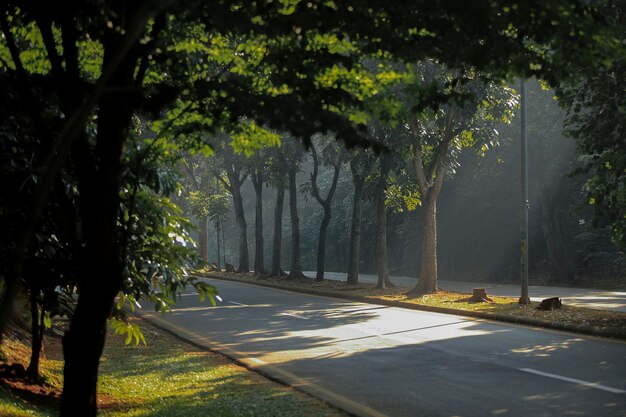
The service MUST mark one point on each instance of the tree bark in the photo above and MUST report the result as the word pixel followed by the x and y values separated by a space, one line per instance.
pixel 295 269
pixel 321 244
pixel 240 217
pixel 217 245
pixel 355 230
pixel 278 231
pixel 326 205
pixel 101 265
pixel 427 280
pixel 204 239
pixel 37 326
pixel 259 250
pixel 381 228
pixel 82 349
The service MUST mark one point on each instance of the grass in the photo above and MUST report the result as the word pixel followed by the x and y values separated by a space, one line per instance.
pixel 166 378
pixel 611 322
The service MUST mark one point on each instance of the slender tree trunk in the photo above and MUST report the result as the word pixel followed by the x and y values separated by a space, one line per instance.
pixel 217 245
pixel 355 231
pixel 381 231
pixel 295 270
pixel 204 238
pixel 427 281
pixel 321 245
pixel 37 325
pixel 278 231
pixel 259 251
pixel 561 269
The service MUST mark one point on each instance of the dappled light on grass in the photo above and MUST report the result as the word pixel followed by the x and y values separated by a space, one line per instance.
pixel 168 378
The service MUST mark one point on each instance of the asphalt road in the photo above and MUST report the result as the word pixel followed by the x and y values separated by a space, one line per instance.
pixel 581 297
pixel 383 361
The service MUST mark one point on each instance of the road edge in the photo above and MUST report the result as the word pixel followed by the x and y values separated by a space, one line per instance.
pixel 269 371
pixel 573 328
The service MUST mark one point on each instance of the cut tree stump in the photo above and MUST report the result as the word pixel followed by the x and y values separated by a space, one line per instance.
pixel 479 295
pixel 549 304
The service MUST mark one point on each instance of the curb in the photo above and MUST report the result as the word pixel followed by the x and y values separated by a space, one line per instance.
pixel 568 327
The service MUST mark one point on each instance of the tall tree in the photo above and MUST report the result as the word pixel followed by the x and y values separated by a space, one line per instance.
pixel 359 163
pixel 331 156
pixel 467 121
pixel 278 179
pixel 286 77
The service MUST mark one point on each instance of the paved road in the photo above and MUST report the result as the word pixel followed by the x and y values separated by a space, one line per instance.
pixel 383 361
pixel 582 297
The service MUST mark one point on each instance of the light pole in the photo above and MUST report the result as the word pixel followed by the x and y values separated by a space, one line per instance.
pixel 524 298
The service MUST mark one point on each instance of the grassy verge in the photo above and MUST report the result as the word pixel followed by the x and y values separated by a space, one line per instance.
pixel 166 378
pixel 584 320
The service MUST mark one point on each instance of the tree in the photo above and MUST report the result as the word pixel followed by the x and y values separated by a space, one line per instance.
pixel 596 110
pixel 279 181
pixel 100 64
pixel 294 155
pixel 468 121
pixel 359 163
pixel 332 156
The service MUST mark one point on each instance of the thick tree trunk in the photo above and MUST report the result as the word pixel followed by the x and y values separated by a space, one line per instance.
pixel 204 239
pixel 244 255
pixel 321 245
pixel 278 231
pixel 355 231
pixel 427 281
pixel 101 263
pixel 295 269
pixel 82 348
pixel 381 232
pixel 259 251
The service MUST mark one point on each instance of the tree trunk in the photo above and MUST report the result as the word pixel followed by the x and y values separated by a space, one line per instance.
pixel 321 246
pixel 259 251
pixel 217 244
pixel 427 281
pixel 295 269
pixel 381 231
pixel 244 256
pixel 278 231
pixel 204 238
pixel 355 231
pixel 37 326
pixel 82 348
pixel 101 265
pixel 561 268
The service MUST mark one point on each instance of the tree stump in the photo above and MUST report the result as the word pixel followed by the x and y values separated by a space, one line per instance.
pixel 479 295
pixel 549 304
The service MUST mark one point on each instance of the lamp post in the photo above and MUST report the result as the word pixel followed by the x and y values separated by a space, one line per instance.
pixel 524 298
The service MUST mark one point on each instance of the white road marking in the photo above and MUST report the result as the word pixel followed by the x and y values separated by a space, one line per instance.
pixel 238 304
pixel 294 315
pixel 258 361
pixel 188 293
pixel 575 381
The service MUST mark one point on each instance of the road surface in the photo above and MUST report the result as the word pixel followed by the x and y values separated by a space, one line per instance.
pixel 581 297
pixel 383 361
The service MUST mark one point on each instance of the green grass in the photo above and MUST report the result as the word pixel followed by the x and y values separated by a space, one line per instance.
pixel 170 378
